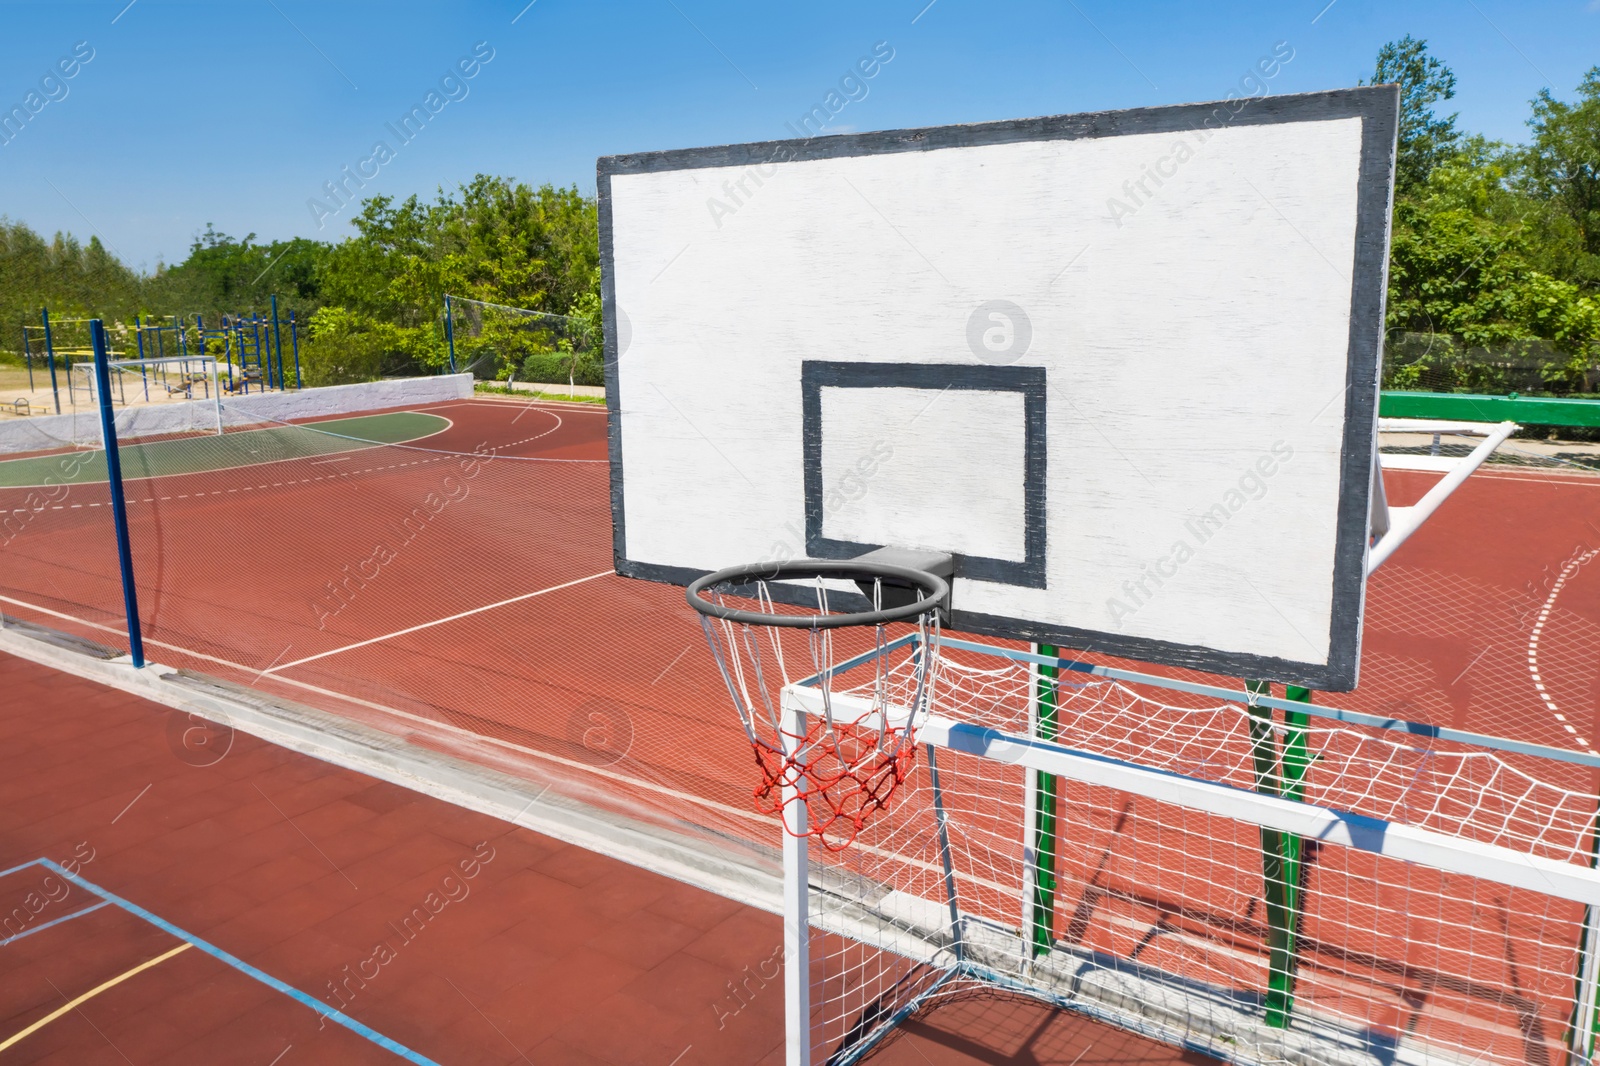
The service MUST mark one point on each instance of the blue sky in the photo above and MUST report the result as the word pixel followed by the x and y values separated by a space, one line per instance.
pixel 235 113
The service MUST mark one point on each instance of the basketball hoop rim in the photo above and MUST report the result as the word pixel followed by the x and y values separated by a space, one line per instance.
pixel 936 588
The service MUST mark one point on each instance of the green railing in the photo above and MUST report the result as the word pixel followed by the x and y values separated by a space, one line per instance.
pixel 1471 407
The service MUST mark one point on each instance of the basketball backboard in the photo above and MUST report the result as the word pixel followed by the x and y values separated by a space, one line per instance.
pixel 1123 366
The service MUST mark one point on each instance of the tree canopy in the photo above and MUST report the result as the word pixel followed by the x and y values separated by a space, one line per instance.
pixel 1426 140
pixel 372 303
pixel 1494 280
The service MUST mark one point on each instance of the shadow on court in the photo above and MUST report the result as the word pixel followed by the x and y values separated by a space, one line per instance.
pixel 1002 1030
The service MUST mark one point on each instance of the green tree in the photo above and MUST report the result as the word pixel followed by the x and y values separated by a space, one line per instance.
pixel 372 302
pixel 344 346
pixel 72 279
pixel 493 240
pixel 1561 169
pixel 1425 140
pixel 1469 308
pixel 500 241
pixel 222 274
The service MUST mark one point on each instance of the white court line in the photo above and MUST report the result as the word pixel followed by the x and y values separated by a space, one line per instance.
pixel 443 406
pixel 632 780
pixel 439 621
pixel 512 401
pixel 1563 478
pixel 1585 479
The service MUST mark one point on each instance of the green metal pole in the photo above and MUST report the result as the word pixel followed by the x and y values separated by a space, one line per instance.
pixel 1297 760
pixel 1281 867
pixel 1044 805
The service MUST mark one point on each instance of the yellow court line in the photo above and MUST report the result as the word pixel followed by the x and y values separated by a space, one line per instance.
pixel 93 992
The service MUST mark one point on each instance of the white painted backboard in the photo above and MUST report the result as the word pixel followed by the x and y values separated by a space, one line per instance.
pixel 1123 365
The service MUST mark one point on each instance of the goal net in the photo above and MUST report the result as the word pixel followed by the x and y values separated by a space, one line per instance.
pixel 1230 871
pixel 151 399
pixel 136 382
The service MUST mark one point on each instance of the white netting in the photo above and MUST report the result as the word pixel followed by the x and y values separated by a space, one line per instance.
pixel 496 342
pixel 1491 797
pixel 1161 917
pixel 174 379
pixel 1160 923
pixel 448 579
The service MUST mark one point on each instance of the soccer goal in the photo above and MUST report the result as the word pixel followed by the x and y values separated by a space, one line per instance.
pixel 1245 875
pixel 190 380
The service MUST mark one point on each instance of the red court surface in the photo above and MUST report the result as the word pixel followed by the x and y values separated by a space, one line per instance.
pixel 533 952
pixel 497 615
pixel 464 601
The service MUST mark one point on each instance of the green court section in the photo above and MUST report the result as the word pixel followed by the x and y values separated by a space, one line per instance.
pixel 1470 407
pixel 250 447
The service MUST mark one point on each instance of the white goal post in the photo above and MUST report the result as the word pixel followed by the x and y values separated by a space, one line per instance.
pixel 159 380
pixel 1444 910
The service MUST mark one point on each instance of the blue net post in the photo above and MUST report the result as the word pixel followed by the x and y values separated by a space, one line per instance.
pixel 450 332
pixel 227 352
pixel 119 505
pixel 294 341
pixel 138 335
pixel 50 357
pixel 277 341
pixel 263 358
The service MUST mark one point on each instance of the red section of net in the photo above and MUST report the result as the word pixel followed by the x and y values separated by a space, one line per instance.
pixel 842 773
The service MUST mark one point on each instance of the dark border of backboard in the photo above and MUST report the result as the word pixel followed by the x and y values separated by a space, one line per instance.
pixel 1378 109
pixel 816 375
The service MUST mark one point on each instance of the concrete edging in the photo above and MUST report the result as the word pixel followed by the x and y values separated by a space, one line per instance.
pixel 354 746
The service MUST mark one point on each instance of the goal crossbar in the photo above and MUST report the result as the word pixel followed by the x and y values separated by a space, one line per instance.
pixel 1392 839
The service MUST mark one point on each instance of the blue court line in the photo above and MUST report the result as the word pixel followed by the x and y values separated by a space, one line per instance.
pixel 238 964
pixel 53 921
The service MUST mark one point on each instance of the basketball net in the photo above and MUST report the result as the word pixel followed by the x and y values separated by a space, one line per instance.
pixel 847 762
